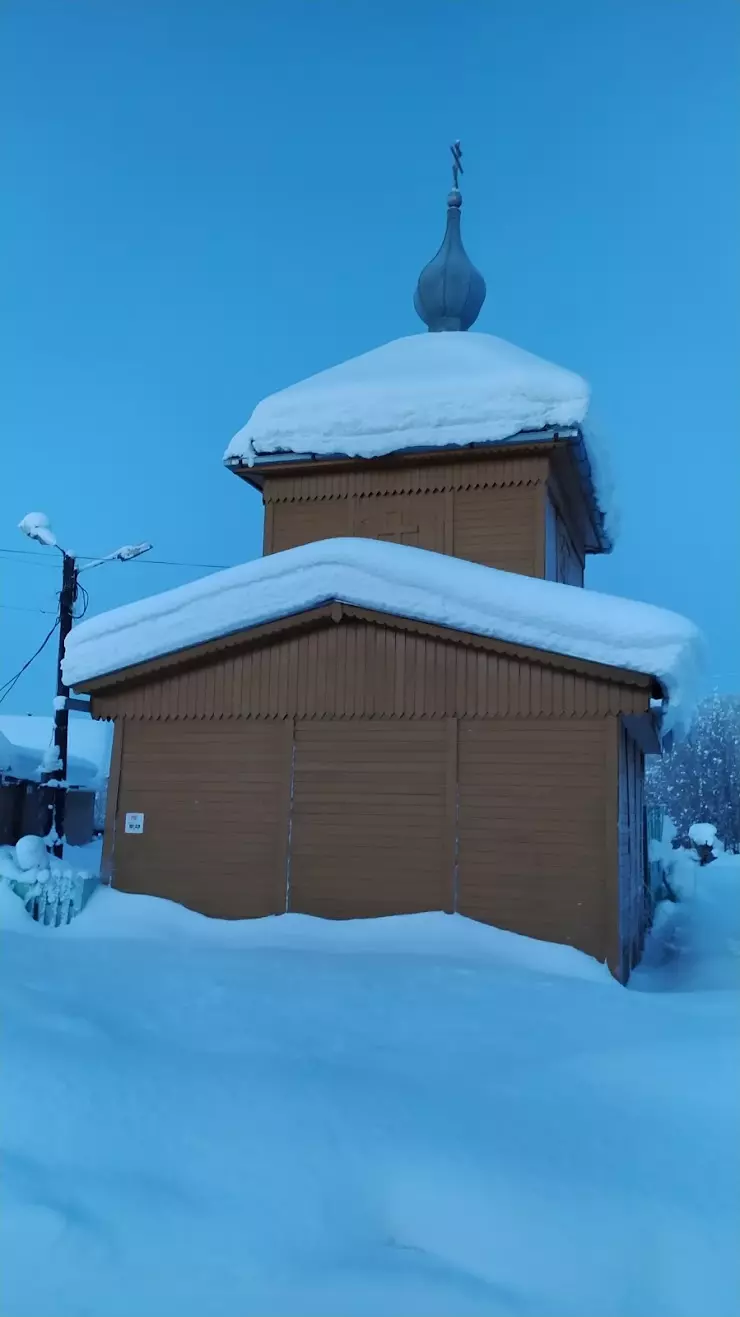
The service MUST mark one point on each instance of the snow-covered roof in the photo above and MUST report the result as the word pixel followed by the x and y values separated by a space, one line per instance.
pixel 405 581
pixel 423 391
pixel 427 391
pixel 24 739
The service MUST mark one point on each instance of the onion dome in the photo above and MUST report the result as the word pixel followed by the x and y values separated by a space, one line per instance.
pixel 450 291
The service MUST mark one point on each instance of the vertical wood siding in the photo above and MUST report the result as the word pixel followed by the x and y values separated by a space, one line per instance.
pixel 357 669
pixel 215 799
pixel 372 829
pixel 532 827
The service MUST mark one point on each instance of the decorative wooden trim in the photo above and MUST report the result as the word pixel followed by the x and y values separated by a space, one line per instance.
pixel 111 804
pixel 255 476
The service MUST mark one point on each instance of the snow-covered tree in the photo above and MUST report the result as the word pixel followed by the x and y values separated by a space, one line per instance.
pixel 699 781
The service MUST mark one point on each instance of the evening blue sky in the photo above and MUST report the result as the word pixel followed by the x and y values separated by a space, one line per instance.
pixel 205 202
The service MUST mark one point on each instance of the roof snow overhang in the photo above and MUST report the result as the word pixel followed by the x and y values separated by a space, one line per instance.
pixel 335 611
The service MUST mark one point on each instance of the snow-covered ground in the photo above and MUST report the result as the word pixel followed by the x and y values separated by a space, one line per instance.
pixel 418 1117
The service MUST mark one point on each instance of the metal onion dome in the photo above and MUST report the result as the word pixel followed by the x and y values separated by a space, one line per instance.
pixel 450 291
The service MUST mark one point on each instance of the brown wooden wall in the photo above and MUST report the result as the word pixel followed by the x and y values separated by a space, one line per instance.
pixel 533 812
pixel 216 799
pixel 489 510
pixel 366 768
pixel 505 821
pixel 372 828
pixel 361 669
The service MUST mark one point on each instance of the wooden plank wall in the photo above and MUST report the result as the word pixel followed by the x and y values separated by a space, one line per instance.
pixel 215 800
pixel 502 820
pixel 372 830
pixel 355 669
pixel 533 800
pixel 485 511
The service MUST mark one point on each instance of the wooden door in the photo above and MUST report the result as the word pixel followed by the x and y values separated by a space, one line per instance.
pixel 215 799
pixel 372 823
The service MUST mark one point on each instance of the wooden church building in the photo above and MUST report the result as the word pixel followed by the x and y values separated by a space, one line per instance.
pixel 410 702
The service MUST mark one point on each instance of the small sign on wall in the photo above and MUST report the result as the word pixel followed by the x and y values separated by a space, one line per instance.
pixel 134 823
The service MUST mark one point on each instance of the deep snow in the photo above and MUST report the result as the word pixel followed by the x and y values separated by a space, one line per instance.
pixel 419 1117
pixel 409 582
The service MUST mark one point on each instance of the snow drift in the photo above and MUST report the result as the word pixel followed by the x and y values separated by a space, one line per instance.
pixel 417 1116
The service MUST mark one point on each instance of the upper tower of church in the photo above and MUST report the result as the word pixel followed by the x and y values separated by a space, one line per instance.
pixel 453 441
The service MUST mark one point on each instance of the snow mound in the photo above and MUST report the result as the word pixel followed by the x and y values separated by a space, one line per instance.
pixel 117 915
pixel 17 761
pixel 703 834
pixel 408 582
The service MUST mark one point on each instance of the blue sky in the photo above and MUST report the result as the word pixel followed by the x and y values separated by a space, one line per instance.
pixel 208 201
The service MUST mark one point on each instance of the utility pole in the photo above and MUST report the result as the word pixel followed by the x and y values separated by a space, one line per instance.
pixel 36 526
pixel 57 807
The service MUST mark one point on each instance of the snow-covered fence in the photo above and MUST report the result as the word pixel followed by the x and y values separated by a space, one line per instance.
pixel 52 892
pixel 55 903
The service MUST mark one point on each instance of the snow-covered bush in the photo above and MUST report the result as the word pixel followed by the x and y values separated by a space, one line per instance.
pixel 703 837
pixel 31 853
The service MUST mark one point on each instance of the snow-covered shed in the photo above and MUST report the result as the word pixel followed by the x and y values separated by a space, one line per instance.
pixel 26 748
pixel 410 702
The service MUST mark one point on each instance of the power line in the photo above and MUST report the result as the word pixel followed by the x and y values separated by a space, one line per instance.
pixel 10 685
pixel 91 557
pixel 41 560
pixel 19 608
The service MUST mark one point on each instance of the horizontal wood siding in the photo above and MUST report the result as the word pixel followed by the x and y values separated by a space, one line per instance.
pixel 355 669
pixel 291 524
pixel 499 528
pixel 371 826
pixel 215 799
pixel 416 519
pixel 532 837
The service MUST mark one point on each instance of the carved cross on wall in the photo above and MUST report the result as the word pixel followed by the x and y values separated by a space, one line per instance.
pixel 457 168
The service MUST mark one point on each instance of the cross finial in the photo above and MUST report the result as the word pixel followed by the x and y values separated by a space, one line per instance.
pixel 457 168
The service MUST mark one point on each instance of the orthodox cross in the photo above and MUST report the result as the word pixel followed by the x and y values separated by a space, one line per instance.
pixel 457 168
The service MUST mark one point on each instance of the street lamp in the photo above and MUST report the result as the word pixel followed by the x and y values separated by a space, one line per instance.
pixel 36 526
